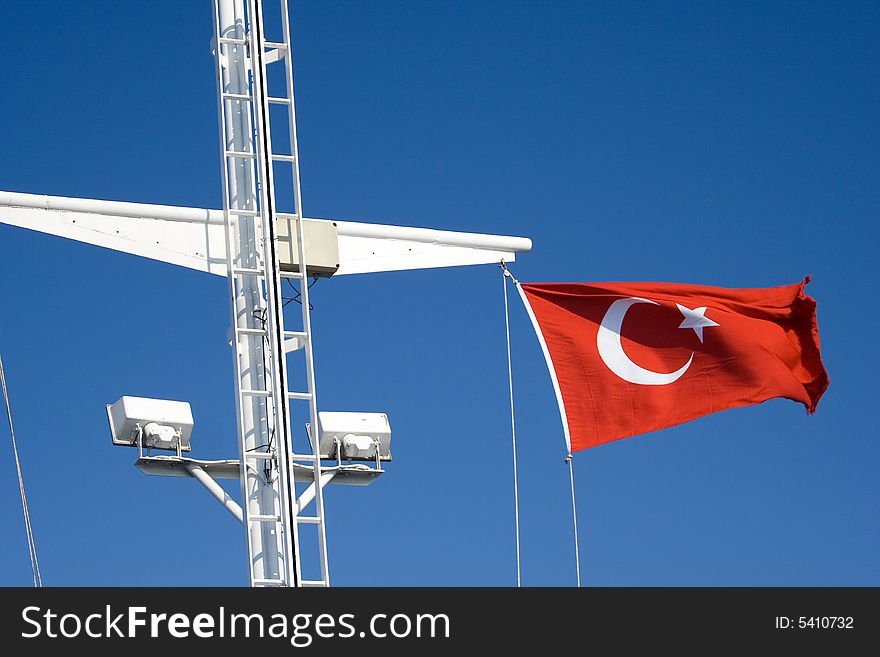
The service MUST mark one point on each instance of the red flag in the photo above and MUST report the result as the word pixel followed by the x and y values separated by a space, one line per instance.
pixel 626 358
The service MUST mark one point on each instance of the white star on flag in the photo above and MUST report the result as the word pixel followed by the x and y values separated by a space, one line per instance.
pixel 695 319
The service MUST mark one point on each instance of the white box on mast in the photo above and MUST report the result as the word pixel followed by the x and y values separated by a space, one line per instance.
pixel 322 246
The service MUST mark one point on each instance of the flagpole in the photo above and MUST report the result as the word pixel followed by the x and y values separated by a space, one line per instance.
pixel 574 516
pixel 504 277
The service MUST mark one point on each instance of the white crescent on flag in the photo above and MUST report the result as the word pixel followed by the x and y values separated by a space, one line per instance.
pixel 612 353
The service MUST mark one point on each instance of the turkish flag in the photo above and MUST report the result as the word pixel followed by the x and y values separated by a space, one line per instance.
pixel 626 358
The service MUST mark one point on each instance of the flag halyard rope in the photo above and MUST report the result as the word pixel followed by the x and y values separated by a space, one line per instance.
pixel 574 516
pixel 505 275
pixel 568 458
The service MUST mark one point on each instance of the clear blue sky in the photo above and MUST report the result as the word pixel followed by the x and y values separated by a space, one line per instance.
pixel 704 142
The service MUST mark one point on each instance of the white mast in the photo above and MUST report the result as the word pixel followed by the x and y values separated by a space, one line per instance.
pixel 265 442
pixel 241 242
pixel 253 423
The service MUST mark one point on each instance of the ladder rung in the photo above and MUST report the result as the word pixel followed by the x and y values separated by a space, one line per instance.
pixel 296 334
pixel 245 154
pixel 229 96
pixel 256 393
pixel 250 331
pixel 303 457
pixel 245 270
pixel 272 44
pixel 270 582
pixel 292 274
pixel 278 101
pixel 234 42
pixel 244 213
pixel 260 456
pixel 308 520
pixel 259 518
pixel 312 583
pixel 286 215
pixel 299 395
pixel 283 158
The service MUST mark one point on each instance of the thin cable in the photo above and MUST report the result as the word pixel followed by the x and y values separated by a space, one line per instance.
pixel 574 515
pixel 504 277
pixel 298 296
pixel 32 546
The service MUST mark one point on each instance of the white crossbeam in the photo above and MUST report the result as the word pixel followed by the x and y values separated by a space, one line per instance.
pixel 194 237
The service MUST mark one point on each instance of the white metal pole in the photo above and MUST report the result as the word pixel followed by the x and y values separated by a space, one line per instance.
pixel 198 473
pixel 266 549
pixel 308 494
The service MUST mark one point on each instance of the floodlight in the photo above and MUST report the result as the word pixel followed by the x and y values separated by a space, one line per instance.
pixel 354 436
pixel 151 423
